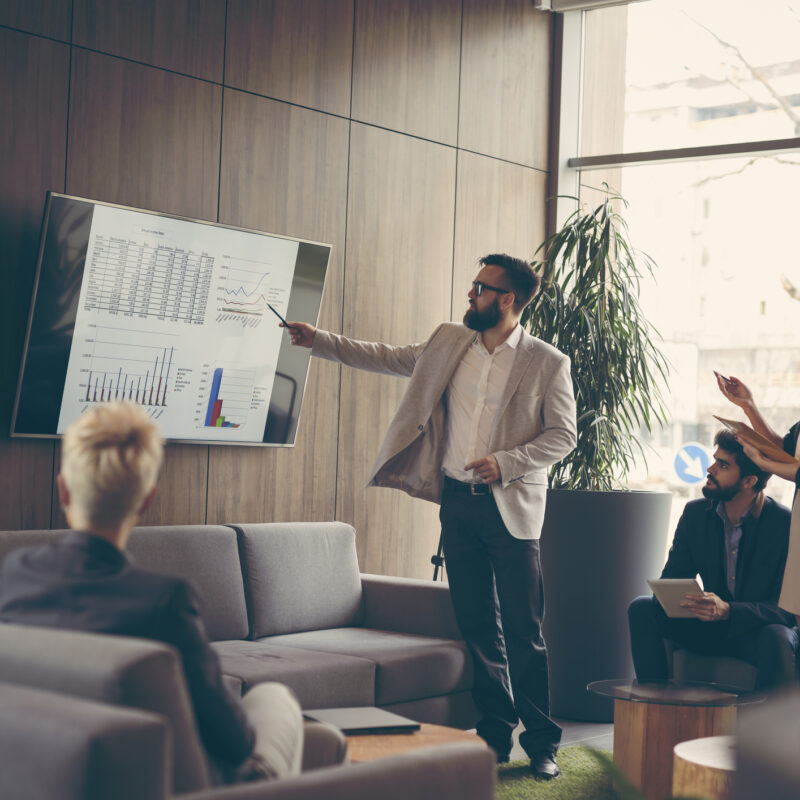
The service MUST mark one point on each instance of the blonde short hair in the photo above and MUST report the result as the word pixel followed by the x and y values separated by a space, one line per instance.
pixel 110 459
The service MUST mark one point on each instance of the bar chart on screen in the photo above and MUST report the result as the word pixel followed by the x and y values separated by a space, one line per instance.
pixel 137 365
pixel 229 397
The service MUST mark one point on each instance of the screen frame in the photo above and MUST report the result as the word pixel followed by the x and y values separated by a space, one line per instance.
pixel 50 195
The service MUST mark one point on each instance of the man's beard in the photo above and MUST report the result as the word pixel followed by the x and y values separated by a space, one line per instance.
pixel 718 493
pixel 483 320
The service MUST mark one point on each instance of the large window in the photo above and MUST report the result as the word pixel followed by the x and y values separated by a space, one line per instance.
pixel 671 74
pixel 693 72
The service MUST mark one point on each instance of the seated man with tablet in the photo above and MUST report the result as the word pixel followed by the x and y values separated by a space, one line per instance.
pixel 736 540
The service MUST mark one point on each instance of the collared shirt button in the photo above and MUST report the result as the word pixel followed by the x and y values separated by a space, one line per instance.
pixel 420 427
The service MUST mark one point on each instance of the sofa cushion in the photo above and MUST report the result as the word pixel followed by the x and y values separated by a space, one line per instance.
pixel 205 555
pixel 689 667
pixel 300 576
pixel 409 667
pixel 52 745
pixel 320 680
pixel 112 669
pixel 11 540
pixel 208 557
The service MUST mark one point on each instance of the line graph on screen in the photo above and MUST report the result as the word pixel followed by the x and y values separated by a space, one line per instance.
pixel 243 291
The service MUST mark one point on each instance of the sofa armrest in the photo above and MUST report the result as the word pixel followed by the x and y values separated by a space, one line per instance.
pixel 409 605
pixel 54 745
pixel 450 772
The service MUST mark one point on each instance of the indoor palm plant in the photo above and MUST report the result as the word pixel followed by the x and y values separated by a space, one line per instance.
pixel 599 546
pixel 589 309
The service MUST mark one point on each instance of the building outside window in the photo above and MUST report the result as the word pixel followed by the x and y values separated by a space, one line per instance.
pixel 667 74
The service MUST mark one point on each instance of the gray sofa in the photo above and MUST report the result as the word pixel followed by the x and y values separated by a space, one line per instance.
pixel 282 602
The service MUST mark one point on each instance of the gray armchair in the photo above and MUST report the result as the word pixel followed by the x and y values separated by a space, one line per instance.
pixel 689 667
pixel 88 717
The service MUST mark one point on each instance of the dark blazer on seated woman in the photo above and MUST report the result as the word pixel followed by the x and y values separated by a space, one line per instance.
pixel 699 547
pixel 84 583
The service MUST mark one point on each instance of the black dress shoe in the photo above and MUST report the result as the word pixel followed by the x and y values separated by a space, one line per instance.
pixel 543 765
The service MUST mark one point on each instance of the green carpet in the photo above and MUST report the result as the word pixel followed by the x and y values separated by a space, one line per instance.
pixel 582 778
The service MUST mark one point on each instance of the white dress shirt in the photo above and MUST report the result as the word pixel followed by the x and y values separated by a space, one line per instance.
pixel 473 397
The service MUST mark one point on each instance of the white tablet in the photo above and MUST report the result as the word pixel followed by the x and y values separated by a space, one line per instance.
pixel 671 592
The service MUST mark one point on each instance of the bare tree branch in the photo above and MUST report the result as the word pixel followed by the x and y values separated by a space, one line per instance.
pixel 779 99
pixel 749 163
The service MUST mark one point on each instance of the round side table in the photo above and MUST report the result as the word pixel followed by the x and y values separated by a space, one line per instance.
pixel 650 719
pixel 705 767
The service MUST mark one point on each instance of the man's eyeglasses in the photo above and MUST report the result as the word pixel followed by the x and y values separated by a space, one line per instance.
pixel 479 286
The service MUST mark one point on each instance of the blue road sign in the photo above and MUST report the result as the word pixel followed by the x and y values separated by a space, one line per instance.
pixel 691 463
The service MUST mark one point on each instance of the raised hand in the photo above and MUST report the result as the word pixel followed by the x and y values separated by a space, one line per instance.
pixel 734 390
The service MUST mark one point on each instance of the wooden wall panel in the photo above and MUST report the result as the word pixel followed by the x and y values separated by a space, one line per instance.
pixel 295 50
pixel 33 82
pixel 143 137
pixel 284 170
pixel 397 289
pixel 148 138
pixel 505 80
pixel 183 35
pixel 44 17
pixel 499 209
pixel 406 65
pixel 180 499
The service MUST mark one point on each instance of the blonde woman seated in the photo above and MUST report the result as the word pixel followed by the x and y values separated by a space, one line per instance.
pixel 110 460
pixel 735 391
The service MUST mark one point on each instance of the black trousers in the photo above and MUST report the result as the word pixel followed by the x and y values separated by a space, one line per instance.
pixel 496 586
pixel 772 649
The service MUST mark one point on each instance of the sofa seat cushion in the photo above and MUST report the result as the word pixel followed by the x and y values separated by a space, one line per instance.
pixel 319 679
pixel 409 667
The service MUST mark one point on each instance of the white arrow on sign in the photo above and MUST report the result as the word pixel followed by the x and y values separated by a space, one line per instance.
pixel 694 466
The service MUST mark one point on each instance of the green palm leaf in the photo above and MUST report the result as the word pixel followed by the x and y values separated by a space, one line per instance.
pixel 589 309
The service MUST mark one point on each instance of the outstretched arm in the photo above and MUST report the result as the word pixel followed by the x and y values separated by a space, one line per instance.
pixel 787 470
pixel 737 393
pixel 369 356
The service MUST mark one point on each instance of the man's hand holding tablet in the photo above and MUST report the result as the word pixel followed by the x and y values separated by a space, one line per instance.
pixel 685 598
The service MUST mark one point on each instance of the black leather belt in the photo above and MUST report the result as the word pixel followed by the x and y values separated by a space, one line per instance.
pixel 467 488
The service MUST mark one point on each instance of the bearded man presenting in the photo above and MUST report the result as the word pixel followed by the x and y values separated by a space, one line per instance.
pixel 488 409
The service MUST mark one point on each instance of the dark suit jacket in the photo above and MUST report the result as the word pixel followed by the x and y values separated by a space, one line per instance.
pixel 84 583
pixel 699 548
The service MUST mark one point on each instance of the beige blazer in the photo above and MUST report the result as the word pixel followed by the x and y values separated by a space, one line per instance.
pixel 534 426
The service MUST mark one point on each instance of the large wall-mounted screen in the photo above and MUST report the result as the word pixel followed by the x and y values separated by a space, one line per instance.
pixel 172 314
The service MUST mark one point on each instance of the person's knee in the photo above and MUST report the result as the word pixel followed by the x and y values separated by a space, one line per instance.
pixel 275 696
pixel 273 711
pixel 323 746
pixel 641 612
pixel 778 640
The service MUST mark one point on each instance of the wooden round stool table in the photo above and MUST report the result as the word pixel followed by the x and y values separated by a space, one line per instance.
pixel 705 767
pixel 650 719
